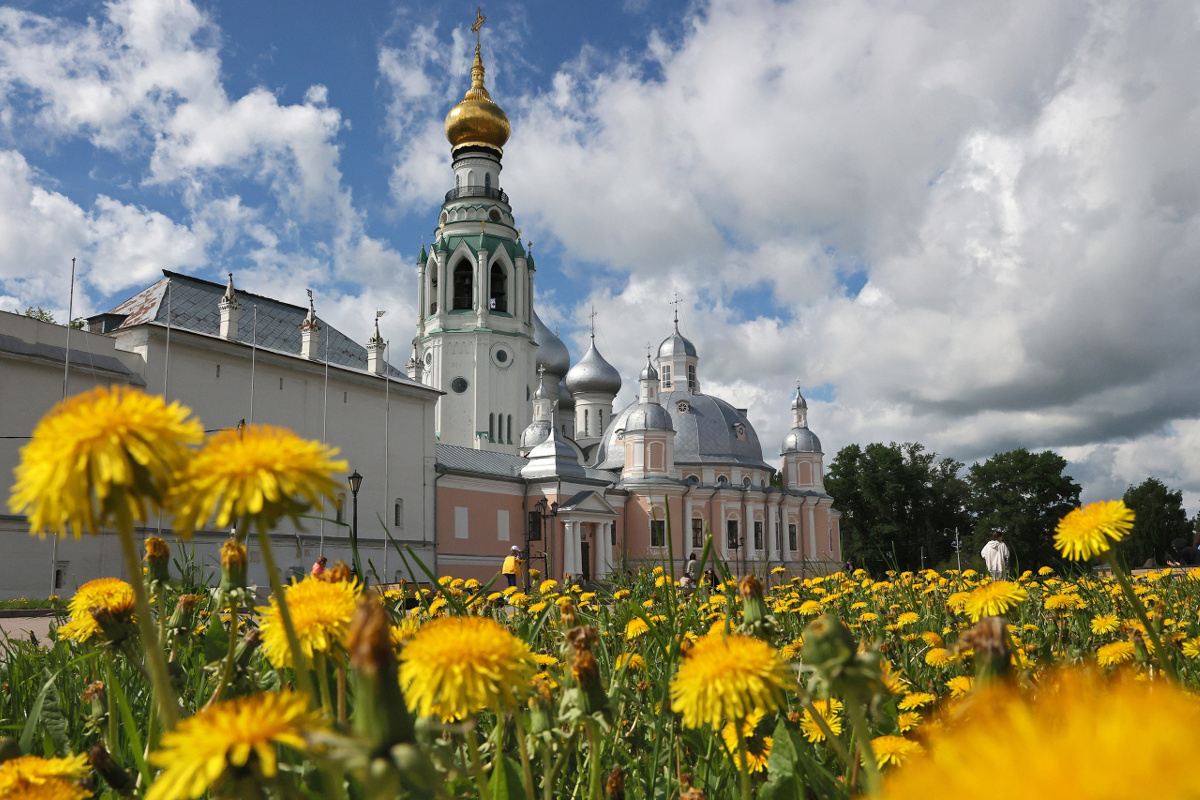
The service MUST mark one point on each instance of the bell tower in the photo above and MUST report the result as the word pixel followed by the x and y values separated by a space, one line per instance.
pixel 475 335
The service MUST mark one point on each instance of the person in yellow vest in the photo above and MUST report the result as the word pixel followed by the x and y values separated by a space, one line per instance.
pixel 512 565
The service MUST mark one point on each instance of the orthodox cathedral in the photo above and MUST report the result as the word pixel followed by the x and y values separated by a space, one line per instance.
pixel 523 432
pixel 490 439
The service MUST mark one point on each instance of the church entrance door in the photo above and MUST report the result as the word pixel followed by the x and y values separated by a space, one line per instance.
pixel 585 554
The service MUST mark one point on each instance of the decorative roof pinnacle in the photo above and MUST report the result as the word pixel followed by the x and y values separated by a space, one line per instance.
pixel 230 294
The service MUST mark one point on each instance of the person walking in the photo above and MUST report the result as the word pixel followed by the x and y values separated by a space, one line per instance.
pixel 995 556
pixel 318 567
pixel 512 565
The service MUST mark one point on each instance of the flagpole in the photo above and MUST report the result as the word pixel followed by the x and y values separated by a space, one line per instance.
pixel 66 384
pixel 253 355
pixel 387 431
pixel 324 422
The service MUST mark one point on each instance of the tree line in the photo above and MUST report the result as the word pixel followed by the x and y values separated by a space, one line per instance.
pixel 902 506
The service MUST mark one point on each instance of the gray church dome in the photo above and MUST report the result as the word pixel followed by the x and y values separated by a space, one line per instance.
pixel 565 400
pixel 676 344
pixel 593 374
pixel 801 440
pixel 647 417
pixel 535 433
pixel 708 430
pixel 551 353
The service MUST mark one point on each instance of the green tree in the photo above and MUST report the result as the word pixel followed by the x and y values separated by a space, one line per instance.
pixel 42 315
pixel 897 501
pixel 1023 495
pixel 1159 519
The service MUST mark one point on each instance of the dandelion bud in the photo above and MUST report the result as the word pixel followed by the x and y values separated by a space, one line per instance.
pixel 589 694
pixel 115 624
pixel 381 715
pixel 120 780
pixel 989 640
pixel 614 787
pixel 540 706
pixel 692 794
pixel 534 574
pixel 158 559
pixel 9 749
pixel 756 620
pixel 233 566
pixel 583 638
pixel 566 610
pixel 183 618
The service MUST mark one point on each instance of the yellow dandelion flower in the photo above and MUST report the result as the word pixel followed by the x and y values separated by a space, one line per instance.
pixel 810 608
pixel 321 613
pixel 1044 571
pixel 263 473
pixel 631 662
pixel 35 778
pixel 458 666
pixel 1191 647
pixel 1089 531
pixel 1114 653
pixel 111 594
pixel 915 700
pixel 894 750
pixel 830 711
pixel 907 618
pixel 938 657
pixel 725 678
pixel 1105 623
pixel 1062 602
pixel 894 681
pixel 227 735
pixel 758 748
pixel 634 628
pixel 994 599
pixel 1074 739
pixel 548 586
pixel 960 685
pixel 404 631
pixel 791 651
pixel 931 638
pixel 544 660
pixel 103 454
pixel 868 616
pixel 907 721
pixel 621 594
pixel 957 601
pixel 536 608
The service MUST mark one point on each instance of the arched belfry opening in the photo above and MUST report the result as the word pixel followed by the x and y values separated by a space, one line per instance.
pixel 464 289
pixel 499 289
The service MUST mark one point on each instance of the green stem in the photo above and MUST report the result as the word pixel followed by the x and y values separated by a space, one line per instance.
pixel 299 667
pixel 322 669
pixel 476 763
pixel 858 719
pixel 111 697
pixel 523 747
pixel 593 761
pixel 160 678
pixel 227 673
pixel 1160 655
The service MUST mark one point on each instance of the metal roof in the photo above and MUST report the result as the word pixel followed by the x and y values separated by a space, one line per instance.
pixel 193 307
pixel 485 462
pixel 81 357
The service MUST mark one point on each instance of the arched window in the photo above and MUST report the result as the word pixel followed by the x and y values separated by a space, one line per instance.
pixel 585 422
pixel 464 289
pixel 398 520
pixel 487 180
pixel 491 427
pixel 499 290
pixel 510 428
pixel 341 507
pixel 600 422
pixel 433 288
pixel 457 181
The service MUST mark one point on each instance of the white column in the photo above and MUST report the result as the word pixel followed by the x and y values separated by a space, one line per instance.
pixel 812 530
pixel 773 528
pixel 570 548
pixel 603 550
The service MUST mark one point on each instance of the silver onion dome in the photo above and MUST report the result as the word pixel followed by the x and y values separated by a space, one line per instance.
pixel 648 417
pixel 798 402
pixel 551 353
pixel 593 374
pixel 676 344
pixel 535 433
pixel 801 440
pixel 648 373
pixel 565 400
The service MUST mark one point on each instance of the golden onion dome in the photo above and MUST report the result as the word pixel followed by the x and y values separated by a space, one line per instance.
pixel 477 120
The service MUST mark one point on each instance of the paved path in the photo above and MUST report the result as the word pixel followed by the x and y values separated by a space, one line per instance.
pixel 20 627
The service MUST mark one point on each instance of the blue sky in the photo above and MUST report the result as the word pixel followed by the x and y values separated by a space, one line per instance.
pixel 971 225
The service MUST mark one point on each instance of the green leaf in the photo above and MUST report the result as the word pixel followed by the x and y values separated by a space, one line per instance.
pixel 784 780
pixel 35 714
pixel 215 642
pixel 505 783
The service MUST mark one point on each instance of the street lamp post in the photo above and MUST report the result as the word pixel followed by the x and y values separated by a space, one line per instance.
pixel 355 484
pixel 545 511
pixel 957 546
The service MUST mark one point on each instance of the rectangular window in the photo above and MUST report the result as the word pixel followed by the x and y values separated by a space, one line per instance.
pixel 731 534
pixel 691 377
pixel 658 533
pixel 502 525
pixel 697 533
pixel 666 375
pixel 612 533
pixel 792 538
pixel 460 522
pixel 758 534
pixel 218 371
pixel 535 527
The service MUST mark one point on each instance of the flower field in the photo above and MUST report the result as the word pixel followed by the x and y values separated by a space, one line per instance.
pixel 770 686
